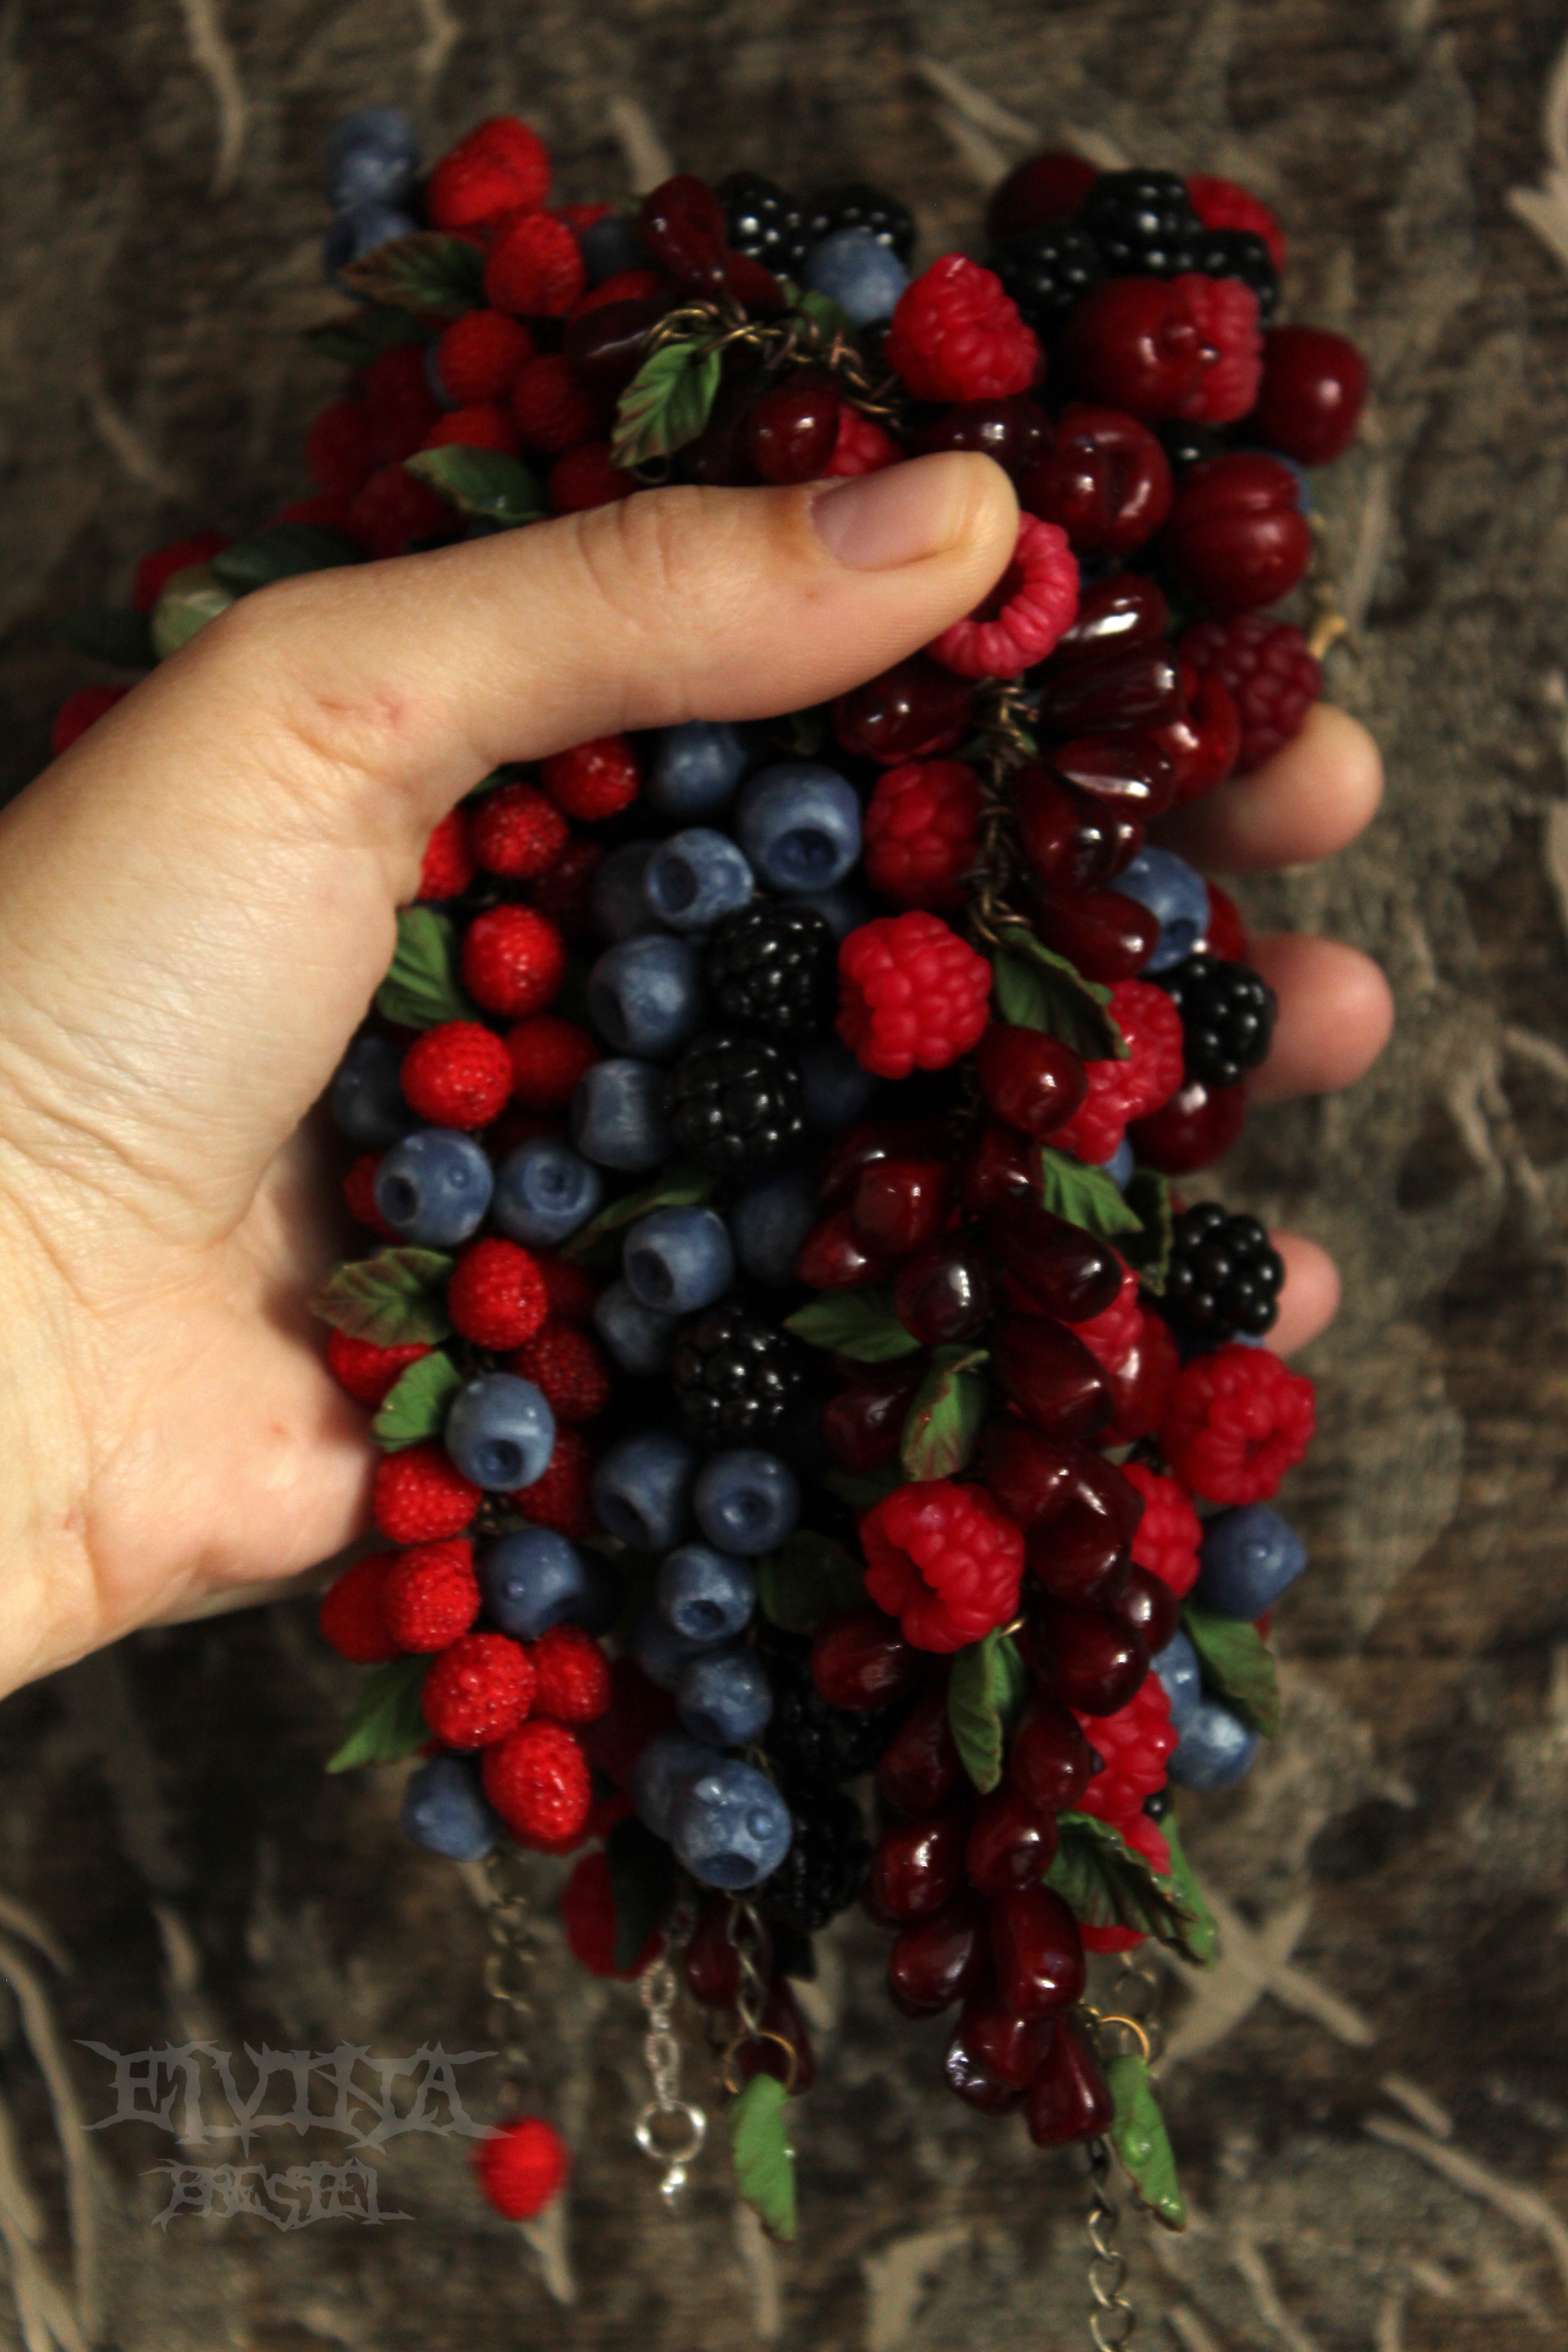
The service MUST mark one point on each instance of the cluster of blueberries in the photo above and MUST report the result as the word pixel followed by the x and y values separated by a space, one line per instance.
pixel 1247 1558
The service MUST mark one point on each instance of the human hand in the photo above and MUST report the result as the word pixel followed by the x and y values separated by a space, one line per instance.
pixel 198 901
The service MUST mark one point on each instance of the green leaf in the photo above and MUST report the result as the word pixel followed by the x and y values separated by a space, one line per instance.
pixel 863 1492
pixel 668 403
pixel 434 275
pixel 415 1406
pixel 1140 2140
pixel 680 1187
pixel 122 640
pixel 642 1872
pixel 1149 1253
pixel 1203 1934
pixel 190 600
pixel 1106 1883
pixel 1085 1196
pixel 859 1324
pixel 393 1299
pixel 1237 1665
pixel 422 989
pixel 801 734
pixel 364 334
pixel 942 1428
pixel 387 1721
pixel 1038 990
pixel 281 552
pixel 986 1695
pixel 827 314
pixel 763 2159
pixel 807 1579
pixel 484 483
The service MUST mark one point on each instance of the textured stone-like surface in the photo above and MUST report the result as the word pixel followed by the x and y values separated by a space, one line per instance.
pixel 1369 2096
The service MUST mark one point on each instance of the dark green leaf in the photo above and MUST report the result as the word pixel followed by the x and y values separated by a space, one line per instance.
pixel 1149 1251
pixel 802 734
pixel 1085 1196
pixel 680 1187
pixel 394 1299
pixel 986 1695
pixel 387 1721
pixel 355 340
pixel 484 483
pixel 807 1579
pixel 1237 1665
pixel 827 314
pixel 862 1492
pixel 1141 2142
pixel 668 403
pixel 433 275
pixel 860 1324
pixel 281 551
pixel 189 600
pixel 1106 1883
pixel 1038 990
pixel 942 1428
pixel 763 2159
pixel 422 989
pixel 415 1407
pixel 1203 1934
pixel 642 1872
pixel 122 640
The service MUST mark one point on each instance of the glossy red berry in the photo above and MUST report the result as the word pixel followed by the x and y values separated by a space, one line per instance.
pixel 606 346
pixel 681 225
pixel 1032 1476
pixel 1014 432
pixel 1085 1659
pixel 1040 190
pixel 1149 1607
pixel 935 1961
pixel 1050 1376
pixel 1121 686
pixel 1009 1843
pixel 1195 1129
pixel 946 1293
pixel 1033 1082
pixel 898 1206
pixel 912 711
pixel 1314 390
pixel 860 1661
pixel 834 1257
pixel 920 1767
pixel 1124 610
pixel 1142 1382
pixel 1205 743
pixel 1105 480
pixel 1237 536
pixel 1010 2045
pixel 789 433
pixel 1072 844
pixel 1134 344
pixel 917 1866
pixel 1065 1270
pixel 1037 1951
pixel 996 1166
pixel 1127 779
pixel 1050 1762
pixel 974 2084
pixel 861 1426
pixel 1068 2098
pixel 1108 937
pixel 839 1170
pixel 1081 1552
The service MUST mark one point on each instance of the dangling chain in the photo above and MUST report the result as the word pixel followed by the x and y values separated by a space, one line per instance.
pixel 1113 2322
pixel 796 340
pixel 1003 744
pixel 658 1988
pixel 508 1965
pixel 747 1938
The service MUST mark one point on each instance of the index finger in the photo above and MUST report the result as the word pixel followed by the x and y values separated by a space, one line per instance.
pixel 1309 800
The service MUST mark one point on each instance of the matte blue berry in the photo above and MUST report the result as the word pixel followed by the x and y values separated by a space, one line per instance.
pixel 746 1501
pixel 697 768
pixel 544 1190
pixel 638 1337
pixel 730 1826
pixel 1247 1558
pixel 667 1765
pixel 370 158
pixel 860 274
pixel 1120 1164
pixel 445 1810
pixel 843 909
pixel 501 1431
pixel 662 1653
pixel 434 1187
pixel 365 1098
pixel 536 1578
pixel 725 1697
pixel 769 1223
pixel 1177 1667
pixel 645 996
pixel 697 877
pixel 1176 894
pixel 608 247
pixel 1216 1748
pixel 642 1490
pixel 354 235
pixel 617 1115
pixel 834 1088
pixel 704 1595
pixel 617 905
pixel 799 824
pixel 676 1260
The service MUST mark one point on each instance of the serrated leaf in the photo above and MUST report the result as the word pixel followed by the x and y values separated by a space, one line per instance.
pixel 668 403
pixel 282 552
pixel 763 2159
pixel 431 274
pixel 1149 1251
pixel 1237 1665
pixel 1141 2142
pixel 484 483
pixel 387 1721
pixel 121 640
pixel 807 1579
pixel 1203 1934
pixel 1106 1883
pixel 415 1407
pixel 642 1872
pixel 859 1324
pixel 863 1490
pixel 1036 989
pixel 190 600
pixel 394 1299
pixel 362 337
pixel 986 1693
pixel 943 1426
pixel 680 1187
pixel 422 989
pixel 1083 1195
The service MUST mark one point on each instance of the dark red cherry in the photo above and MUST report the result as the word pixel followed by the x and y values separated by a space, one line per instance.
pixel 1238 538
pixel 1134 344
pixel 1068 2099
pixel 1088 1661
pixel 861 1426
pixel 1010 1844
pixel 712 1965
pixel 780 2016
pixel 920 1767
pixel 1014 432
pixel 859 1660
pixel 1127 686
pixel 1202 745
pixel 1309 402
pixel 1124 610
pixel 834 1257
pixel 1037 1951
pixel 1131 776
pixel 791 430
pixel 936 1962
pixel 1065 1270
pixel 1008 2044
pixel 1042 189
pixel 1034 1081
pixel 606 346
pixel 1071 844
pixel 912 711
pixel 838 1169
pixel 1227 934
pixel 946 1293
pixel 1144 1382
pixel 1087 1567
pixel 1194 1130
pixel 968 2080
pixel 1110 938
pixel 995 1167
pixel 1149 1607
pixel 1051 1376
pixel 1032 1476
pixel 1105 481
pixel 917 1866
pixel 1050 1762
pixel 681 225
pixel 898 1206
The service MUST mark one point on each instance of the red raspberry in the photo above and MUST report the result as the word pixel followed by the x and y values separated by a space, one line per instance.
pixel 419 1497
pixel 480 354
pixel 449 866
pixel 586 478
pixel 1226 314
pixel 1168 1532
pixel 922 831
pixel 478 1690
pixel 862 446
pixel 552 408
pixel 594 779
pixel 534 267
pixel 79 711
pixel 329 509
pixel 1112 1334
pixel 367 1371
pixel 432 1595
pixel 1223 204
pixel 522 2167
pixel 1147 1838
pixel 570 1675
pixel 1134 1742
pixel 566 1367
pixel 155 572
pixel 513 962
pixel 517 832
pixel 457 1075
pixel 496 1296
pixel 572 1295
pixel 537 1779
pixel 956 335
pixel 621 285
pixel 562 1498
pixel 549 1057
pixel 482 425
pixel 359 1192
pixel 500 165
pixel 945 1560
pixel 1239 1420
pixel 394 507
pixel 400 408
pixel 353 1613
pixel 1270 670
pixel 588 1918
pixel 1122 1091
pixel 911 995
pixel 1030 606
pixel 567 893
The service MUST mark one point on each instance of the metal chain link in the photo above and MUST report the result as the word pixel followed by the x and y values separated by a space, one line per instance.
pixel 1114 2321
pixel 508 1964
pixel 674 2143
pixel 748 1939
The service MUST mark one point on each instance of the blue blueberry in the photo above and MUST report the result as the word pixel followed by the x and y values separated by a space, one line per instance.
pixel 608 247
pixel 704 1595
pixel 1176 894
pixel 858 272
pixel 663 1772
pixel 638 1339
pixel 843 909
pixel 697 877
pixel 445 1810
pixel 434 1187
pixel 370 158
pixel 697 768
pixel 617 1115
pixel 1177 1667
pixel 535 1579
pixel 725 1697
pixel 730 1826
pixel 365 1098
pixel 834 1088
pixel 1216 1748
pixel 799 824
pixel 676 1260
pixel 354 235
pixel 642 1490
pixel 501 1431
pixel 662 1653
pixel 645 996
pixel 1247 1558
pixel 544 1192
pixel 768 1224
pixel 1120 1164
pixel 617 905
pixel 746 1501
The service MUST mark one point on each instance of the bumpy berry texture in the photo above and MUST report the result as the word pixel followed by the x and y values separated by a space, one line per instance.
pixel 735 1378
pixel 1227 1017
pixel 912 995
pixel 1168 1531
pixel 957 335
pixel 771 969
pixel 1133 1746
pixel 734 1104
pixel 478 1690
pixel 432 1595
pixel 1224 1278
pixel 1119 1092
pixel 945 1560
pixel 921 833
pixel 1270 671
pixel 1238 1423
pixel 1031 606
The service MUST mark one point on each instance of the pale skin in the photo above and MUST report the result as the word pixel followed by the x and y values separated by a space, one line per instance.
pixel 197 902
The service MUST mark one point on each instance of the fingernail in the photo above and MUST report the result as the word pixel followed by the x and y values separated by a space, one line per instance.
pixel 905 512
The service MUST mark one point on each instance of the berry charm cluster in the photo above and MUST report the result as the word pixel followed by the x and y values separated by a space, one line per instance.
pixel 821 1458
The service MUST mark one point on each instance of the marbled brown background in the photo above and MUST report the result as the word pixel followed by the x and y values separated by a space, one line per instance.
pixel 1370 2097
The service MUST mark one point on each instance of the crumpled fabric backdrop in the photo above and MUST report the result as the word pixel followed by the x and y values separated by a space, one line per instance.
pixel 1368 2095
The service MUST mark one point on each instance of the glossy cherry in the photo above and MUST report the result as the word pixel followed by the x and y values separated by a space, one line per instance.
pixel 1238 538
pixel 917 1866
pixel 608 344
pixel 1033 1477
pixel 861 1426
pixel 912 711
pixel 1134 344
pixel 1065 1270
pixel 791 430
pixel 968 2080
pixel 1037 1951
pixel 1042 189
pixel 935 1961
pixel 712 1964
pixel 995 1167
pixel 1068 2098
pixel 681 225
pixel 1227 934
pixel 1204 742
pixel 1124 610
pixel 1014 432
pixel 1123 688
pixel 1051 1376
pixel 946 1292
pixel 921 1766
pixel 1084 1658
pixel 1128 776
pixel 898 1206
pixel 1010 2045
pixel 1034 1081
pixel 834 1257
pixel 1194 1130
pixel 1309 402
pixel 870 1140
pixel 1149 1607
pixel 1142 1382
pixel 1071 844
pixel 860 1661
pixel 1080 1554
pixel 1050 1762
pixel 1105 481
pixel 1009 1844
pixel 1110 938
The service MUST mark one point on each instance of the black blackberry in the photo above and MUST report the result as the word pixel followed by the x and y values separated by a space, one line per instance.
pixel 735 1379
pixel 1222 1277
pixel 1227 1017
pixel 734 1104
pixel 1143 223
pixel 856 204
pixel 1241 253
pixel 810 1744
pixel 1047 270
pixel 762 220
pixel 774 969
pixel 824 1868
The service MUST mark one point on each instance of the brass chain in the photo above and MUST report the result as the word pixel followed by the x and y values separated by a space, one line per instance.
pixel 796 340
pixel 508 1964
pixel 1113 2322
pixel 748 1939
pixel 669 2130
